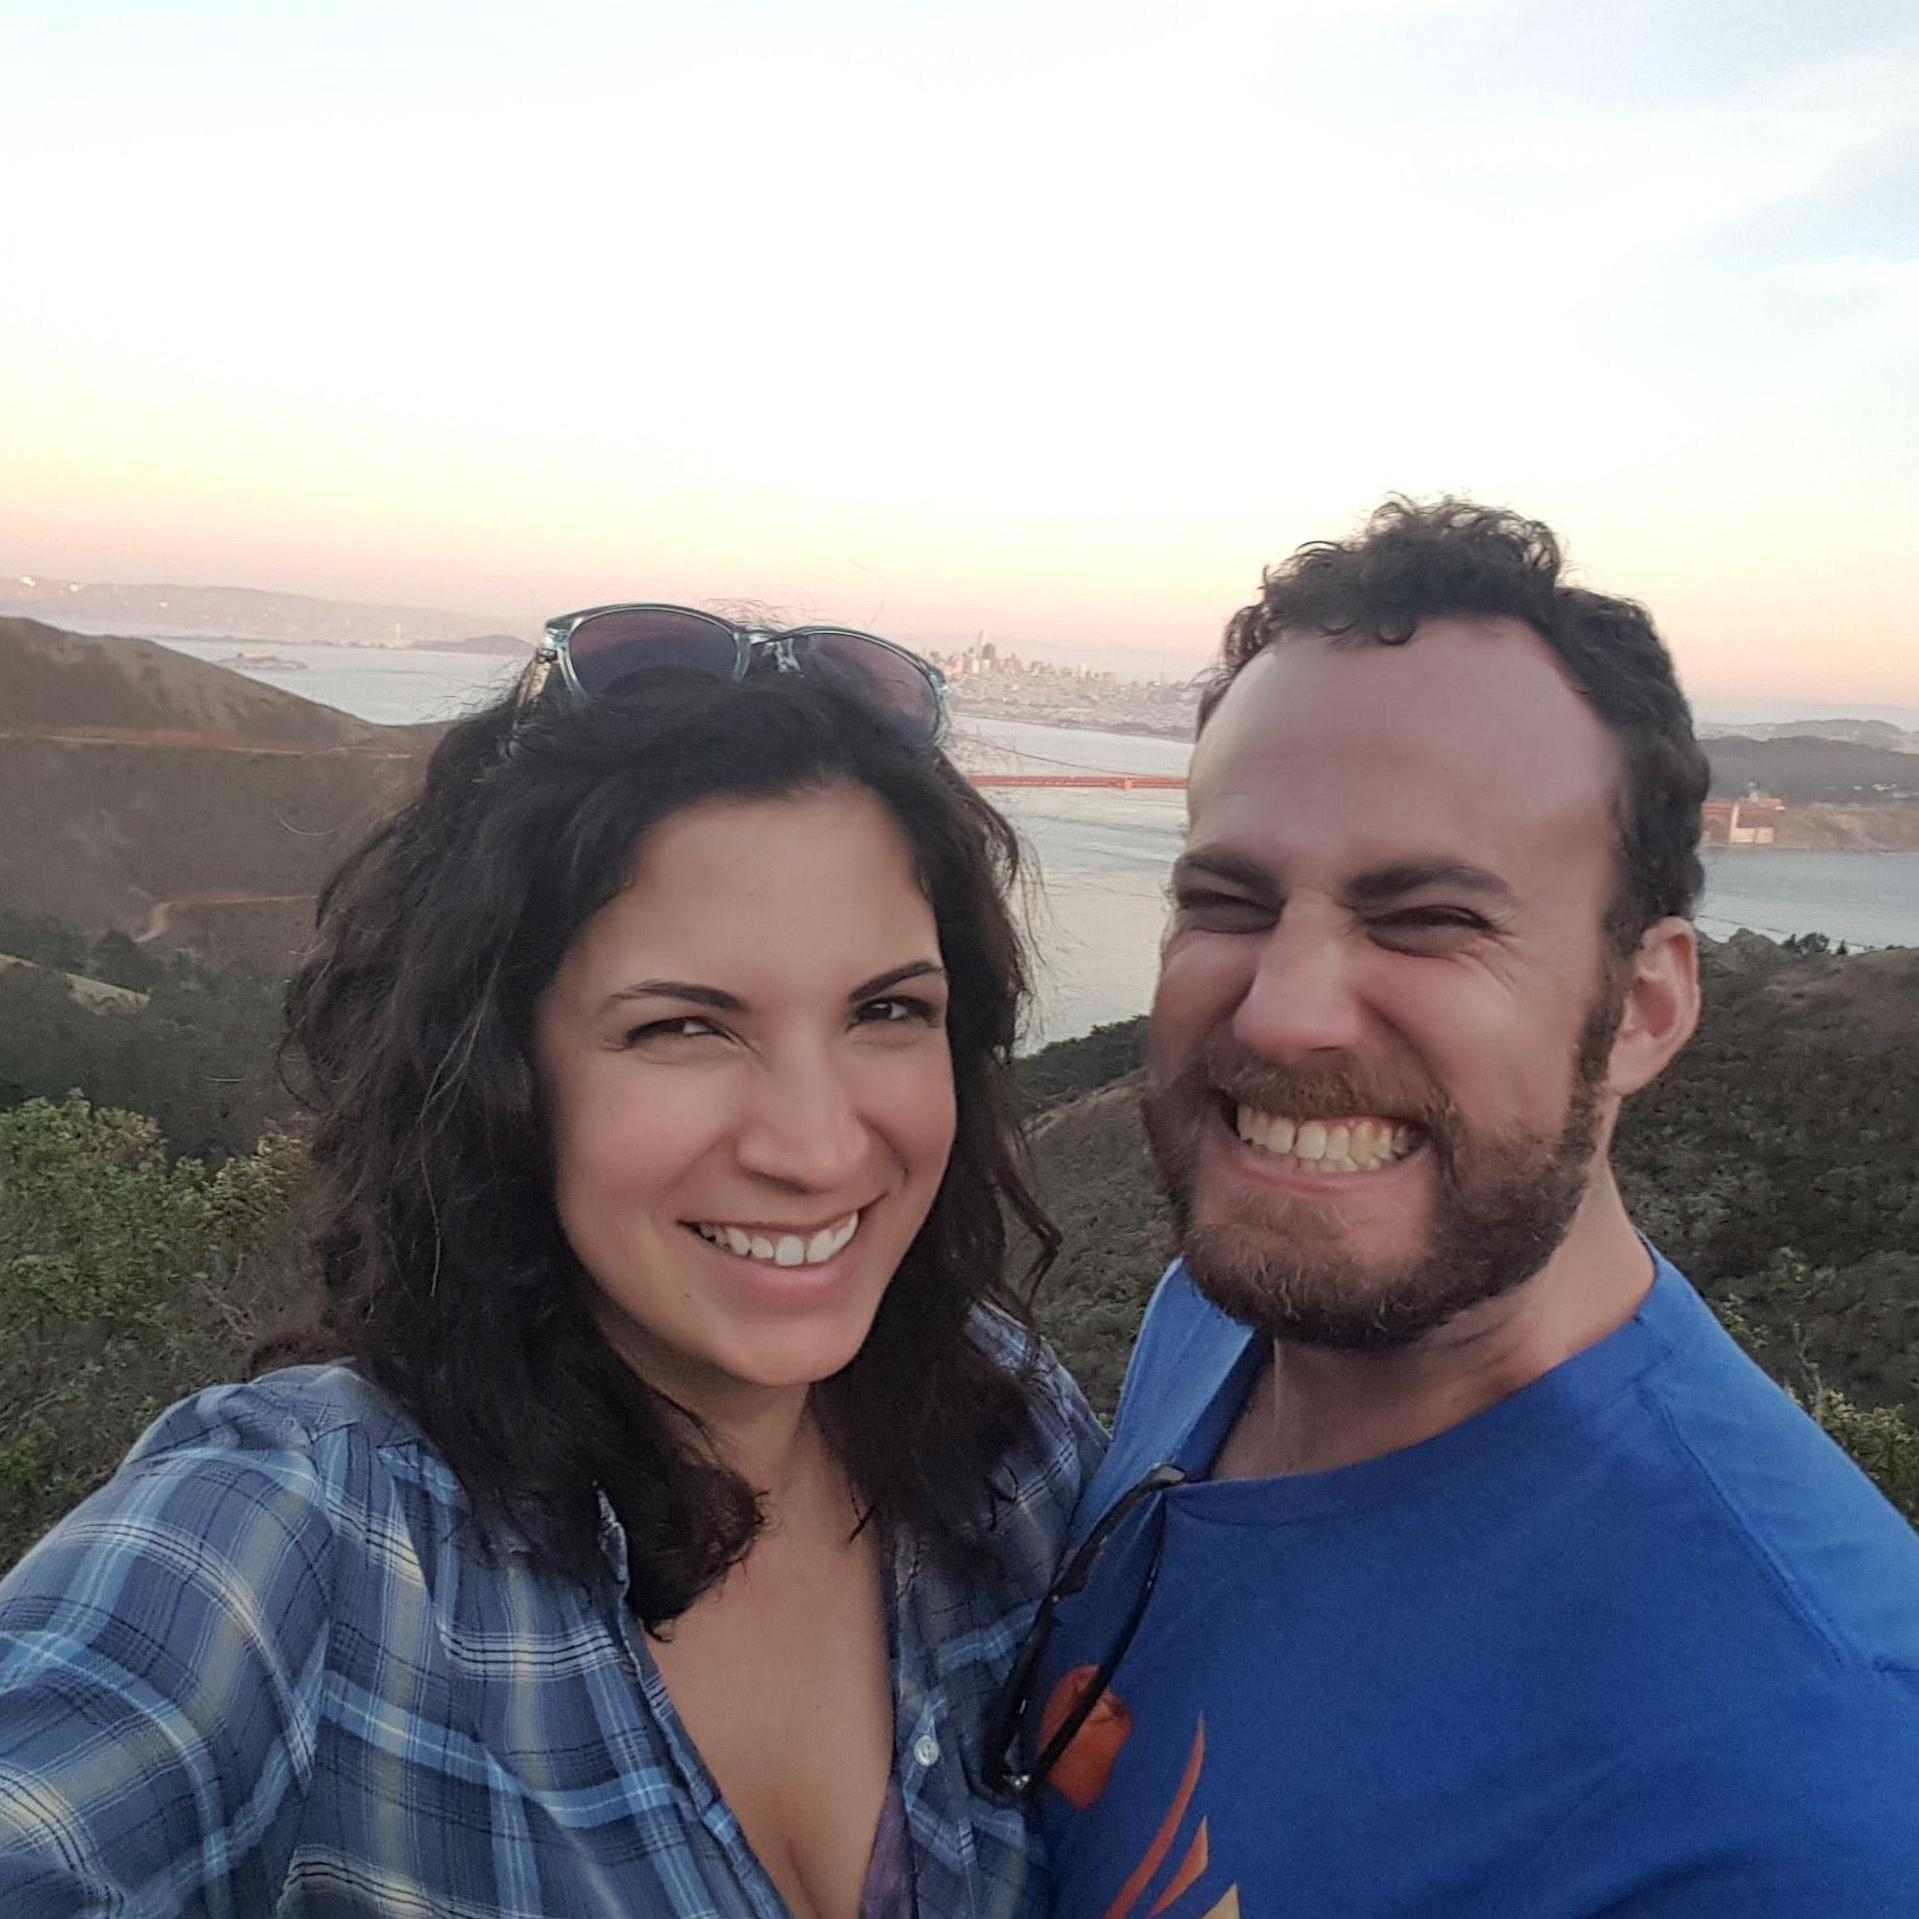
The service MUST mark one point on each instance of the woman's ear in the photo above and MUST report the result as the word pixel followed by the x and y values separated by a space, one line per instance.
pixel 1661 1006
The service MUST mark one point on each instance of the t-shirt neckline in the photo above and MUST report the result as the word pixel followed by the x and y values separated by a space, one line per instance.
pixel 1519 1428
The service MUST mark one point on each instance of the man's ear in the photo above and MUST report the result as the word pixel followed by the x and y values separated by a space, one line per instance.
pixel 1661 1007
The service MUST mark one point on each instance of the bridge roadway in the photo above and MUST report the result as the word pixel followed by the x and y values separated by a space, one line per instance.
pixel 1121 782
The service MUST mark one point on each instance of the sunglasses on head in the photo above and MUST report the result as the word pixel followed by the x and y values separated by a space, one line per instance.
pixel 595 651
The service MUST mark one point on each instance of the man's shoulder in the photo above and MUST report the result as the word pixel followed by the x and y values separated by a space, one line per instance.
pixel 1185 1351
pixel 1183 1337
pixel 1800 1802
pixel 1812 1526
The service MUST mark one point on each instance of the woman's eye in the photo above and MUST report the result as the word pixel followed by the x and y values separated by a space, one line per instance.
pixel 658 1031
pixel 899 1010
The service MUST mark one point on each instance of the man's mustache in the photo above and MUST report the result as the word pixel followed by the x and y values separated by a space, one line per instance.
pixel 1226 1069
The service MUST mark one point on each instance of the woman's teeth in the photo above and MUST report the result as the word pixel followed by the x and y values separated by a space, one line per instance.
pixel 1359 1145
pixel 783 1249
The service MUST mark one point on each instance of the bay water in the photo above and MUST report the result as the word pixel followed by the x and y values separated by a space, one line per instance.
pixel 1098 859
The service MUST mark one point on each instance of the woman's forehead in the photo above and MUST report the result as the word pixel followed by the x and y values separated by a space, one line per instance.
pixel 787 889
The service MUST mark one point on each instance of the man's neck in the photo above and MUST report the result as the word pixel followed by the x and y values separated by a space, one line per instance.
pixel 1311 1409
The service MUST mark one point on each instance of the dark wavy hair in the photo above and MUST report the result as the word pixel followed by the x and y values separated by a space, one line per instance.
pixel 1417 561
pixel 446 1277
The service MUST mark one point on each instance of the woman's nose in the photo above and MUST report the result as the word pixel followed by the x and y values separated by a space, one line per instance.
pixel 804 1127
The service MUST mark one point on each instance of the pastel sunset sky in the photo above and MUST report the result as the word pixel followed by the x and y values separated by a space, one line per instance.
pixel 1044 319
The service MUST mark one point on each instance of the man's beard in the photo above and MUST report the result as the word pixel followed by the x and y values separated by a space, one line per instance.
pixel 1502 1200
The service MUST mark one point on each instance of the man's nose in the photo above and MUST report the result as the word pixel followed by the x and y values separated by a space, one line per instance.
pixel 803 1127
pixel 1303 997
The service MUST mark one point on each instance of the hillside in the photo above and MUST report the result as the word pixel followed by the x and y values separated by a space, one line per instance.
pixel 1776 1163
pixel 75 681
pixel 1802 771
pixel 1863 732
pixel 161 797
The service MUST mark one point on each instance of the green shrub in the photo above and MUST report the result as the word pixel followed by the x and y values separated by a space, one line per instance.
pixel 1883 1444
pixel 126 1282
pixel 198 1057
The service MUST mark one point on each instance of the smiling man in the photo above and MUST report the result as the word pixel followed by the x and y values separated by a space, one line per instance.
pixel 1500 1581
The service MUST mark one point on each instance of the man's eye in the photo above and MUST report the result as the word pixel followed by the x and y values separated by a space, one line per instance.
pixel 1221 912
pixel 1427 926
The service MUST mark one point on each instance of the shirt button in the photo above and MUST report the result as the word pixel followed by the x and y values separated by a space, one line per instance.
pixel 926 1751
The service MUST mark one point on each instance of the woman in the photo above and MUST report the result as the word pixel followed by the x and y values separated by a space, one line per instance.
pixel 688 1478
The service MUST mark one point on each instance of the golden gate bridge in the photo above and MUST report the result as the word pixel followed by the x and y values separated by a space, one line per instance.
pixel 1121 782
pixel 1015 767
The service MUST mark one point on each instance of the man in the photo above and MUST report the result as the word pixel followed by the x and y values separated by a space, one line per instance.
pixel 1501 1583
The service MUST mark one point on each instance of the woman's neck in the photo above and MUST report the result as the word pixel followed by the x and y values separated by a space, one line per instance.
pixel 772 1440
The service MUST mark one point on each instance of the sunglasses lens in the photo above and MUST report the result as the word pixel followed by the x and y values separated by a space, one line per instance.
pixel 612 647
pixel 898 689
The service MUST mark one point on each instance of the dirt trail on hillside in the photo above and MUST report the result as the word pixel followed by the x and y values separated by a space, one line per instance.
pixel 162 912
pixel 199 741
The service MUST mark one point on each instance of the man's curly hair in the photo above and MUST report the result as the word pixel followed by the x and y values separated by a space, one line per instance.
pixel 1418 561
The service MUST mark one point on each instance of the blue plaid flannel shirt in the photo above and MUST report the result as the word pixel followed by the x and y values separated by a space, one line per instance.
pixel 264 1670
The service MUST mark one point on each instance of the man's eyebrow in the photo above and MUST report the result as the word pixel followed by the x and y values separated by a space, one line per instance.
pixel 1383 883
pixel 1234 868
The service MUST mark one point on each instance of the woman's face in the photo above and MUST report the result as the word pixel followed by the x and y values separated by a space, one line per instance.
pixel 745 1068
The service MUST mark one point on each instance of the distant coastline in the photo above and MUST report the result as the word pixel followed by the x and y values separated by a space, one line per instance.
pixel 1831 785
pixel 248 662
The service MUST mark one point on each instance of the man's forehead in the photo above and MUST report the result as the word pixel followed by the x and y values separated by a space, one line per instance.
pixel 1469 736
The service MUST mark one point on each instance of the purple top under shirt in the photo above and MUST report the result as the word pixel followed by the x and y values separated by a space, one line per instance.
pixel 888 1891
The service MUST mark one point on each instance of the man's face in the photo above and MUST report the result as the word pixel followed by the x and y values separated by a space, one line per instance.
pixel 1384 1010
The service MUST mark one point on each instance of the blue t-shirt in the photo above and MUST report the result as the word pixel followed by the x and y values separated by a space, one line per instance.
pixel 1638 1640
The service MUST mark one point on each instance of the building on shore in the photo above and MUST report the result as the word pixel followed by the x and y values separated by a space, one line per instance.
pixel 1753 821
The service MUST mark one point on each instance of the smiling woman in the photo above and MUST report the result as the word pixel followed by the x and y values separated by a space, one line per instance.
pixel 685 1471
pixel 743 1180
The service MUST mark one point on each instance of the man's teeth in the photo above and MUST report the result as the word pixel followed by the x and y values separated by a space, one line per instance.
pixel 785 1249
pixel 1328 1145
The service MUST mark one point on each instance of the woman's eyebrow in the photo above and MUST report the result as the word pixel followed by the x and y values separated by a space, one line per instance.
pixel 710 996
pixel 880 982
pixel 719 1001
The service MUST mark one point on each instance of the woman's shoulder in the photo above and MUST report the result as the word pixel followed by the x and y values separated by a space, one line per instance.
pixel 256 1556
pixel 295 1406
pixel 1064 1441
pixel 315 1425
pixel 259 1478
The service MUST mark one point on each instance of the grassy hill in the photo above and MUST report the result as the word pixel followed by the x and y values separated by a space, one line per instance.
pixel 1803 770
pixel 77 681
pixel 168 799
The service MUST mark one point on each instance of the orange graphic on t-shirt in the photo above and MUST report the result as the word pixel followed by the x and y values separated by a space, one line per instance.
pixel 1087 1763
pixel 1082 1775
